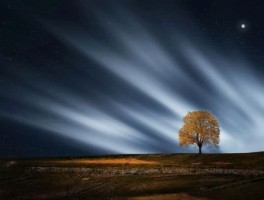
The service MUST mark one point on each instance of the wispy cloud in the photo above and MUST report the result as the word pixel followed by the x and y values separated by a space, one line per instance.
pixel 163 87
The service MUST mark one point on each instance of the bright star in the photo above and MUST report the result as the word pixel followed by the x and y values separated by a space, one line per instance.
pixel 243 26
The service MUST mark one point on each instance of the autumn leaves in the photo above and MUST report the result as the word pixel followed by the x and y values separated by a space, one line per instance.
pixel 199 128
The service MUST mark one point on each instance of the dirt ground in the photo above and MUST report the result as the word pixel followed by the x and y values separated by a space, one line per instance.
pixel 135 177
pixel 168 197
pixel 105 161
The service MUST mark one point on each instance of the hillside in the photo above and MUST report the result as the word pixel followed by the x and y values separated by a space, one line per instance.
pixel 156 176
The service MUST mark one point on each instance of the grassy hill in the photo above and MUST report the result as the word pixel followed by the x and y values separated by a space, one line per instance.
pixel 156 176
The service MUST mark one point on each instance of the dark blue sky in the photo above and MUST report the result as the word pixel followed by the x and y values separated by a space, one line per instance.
pixel 102 77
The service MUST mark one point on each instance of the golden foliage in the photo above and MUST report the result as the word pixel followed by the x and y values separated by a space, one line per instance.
pixel 200 127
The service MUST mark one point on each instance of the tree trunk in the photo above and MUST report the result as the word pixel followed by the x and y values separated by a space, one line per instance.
pixel 200 150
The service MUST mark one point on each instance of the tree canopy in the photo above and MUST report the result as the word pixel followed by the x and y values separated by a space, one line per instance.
pixel 199 128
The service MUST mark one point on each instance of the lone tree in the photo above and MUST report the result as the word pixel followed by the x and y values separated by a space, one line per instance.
pixel 200 128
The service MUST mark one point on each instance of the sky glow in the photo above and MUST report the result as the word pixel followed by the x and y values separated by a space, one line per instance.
pixel 144 88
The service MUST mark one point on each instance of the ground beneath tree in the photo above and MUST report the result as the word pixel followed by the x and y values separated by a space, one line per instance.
pixel 160 176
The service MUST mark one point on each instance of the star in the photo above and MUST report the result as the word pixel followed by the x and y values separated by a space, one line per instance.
pixel 243 26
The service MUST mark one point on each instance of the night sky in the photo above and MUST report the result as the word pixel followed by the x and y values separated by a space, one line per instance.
pixel 112 77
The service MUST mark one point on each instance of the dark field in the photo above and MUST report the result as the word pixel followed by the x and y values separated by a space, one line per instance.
pixel 159 176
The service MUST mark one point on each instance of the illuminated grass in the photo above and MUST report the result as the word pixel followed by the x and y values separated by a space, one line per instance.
pixel 159 176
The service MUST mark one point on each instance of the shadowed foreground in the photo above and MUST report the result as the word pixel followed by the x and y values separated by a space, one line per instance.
pixel 140 177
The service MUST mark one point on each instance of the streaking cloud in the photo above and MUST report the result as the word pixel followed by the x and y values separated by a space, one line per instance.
pixel 157 88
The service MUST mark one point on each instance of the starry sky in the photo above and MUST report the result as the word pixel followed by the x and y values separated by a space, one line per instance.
pixel 117 77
